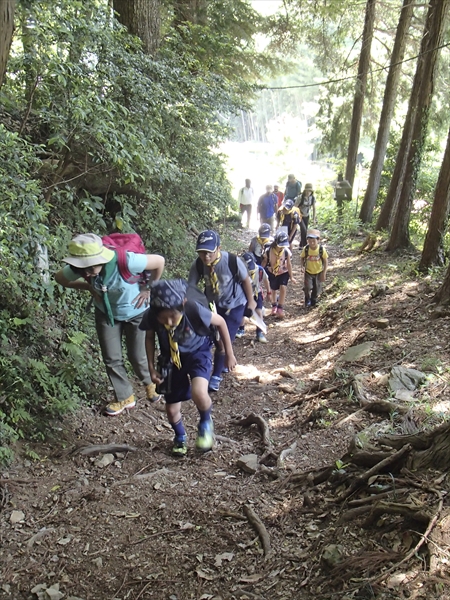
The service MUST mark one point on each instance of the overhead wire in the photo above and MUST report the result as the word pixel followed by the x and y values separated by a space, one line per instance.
pixel 329 81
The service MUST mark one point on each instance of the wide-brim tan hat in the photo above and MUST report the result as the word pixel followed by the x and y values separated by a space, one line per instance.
pixel 87 250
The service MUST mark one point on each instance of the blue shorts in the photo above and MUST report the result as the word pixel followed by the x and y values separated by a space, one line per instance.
pixel 276 281
pixel 197 364
pixel 233 318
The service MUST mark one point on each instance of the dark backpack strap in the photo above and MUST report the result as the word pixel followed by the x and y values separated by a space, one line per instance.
pixel 232 265
pixel 199 267
pixel 321 251
pixel 307 251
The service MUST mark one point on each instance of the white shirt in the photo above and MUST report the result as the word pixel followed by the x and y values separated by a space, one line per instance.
pixel 246 195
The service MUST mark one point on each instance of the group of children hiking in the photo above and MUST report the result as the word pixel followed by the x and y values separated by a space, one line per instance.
pixel 182 320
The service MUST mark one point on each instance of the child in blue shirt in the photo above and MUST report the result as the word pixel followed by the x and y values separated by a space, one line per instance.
pixel 228 291
pixel 182 326
pixel 259 243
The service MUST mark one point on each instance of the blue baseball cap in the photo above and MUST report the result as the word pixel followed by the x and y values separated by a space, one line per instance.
pixel 264 230
pixel 208 241
pixel 281 239
pixel 249 260
pixel 288 203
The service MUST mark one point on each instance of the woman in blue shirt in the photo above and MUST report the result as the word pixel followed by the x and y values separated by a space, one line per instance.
pixel 119 307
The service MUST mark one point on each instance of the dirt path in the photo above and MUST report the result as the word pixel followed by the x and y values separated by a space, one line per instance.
pixel 148 525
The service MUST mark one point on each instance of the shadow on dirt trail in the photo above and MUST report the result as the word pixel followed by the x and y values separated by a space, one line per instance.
pixel 142 524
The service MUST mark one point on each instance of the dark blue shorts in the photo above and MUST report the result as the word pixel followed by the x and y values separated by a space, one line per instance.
pixel 276 281
pixel 233 318
pixel 197 364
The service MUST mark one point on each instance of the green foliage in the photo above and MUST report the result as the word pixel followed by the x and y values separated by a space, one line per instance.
pixel 97 129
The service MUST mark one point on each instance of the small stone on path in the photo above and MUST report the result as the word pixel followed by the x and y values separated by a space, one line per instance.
pixel 356 352
pixel 248 463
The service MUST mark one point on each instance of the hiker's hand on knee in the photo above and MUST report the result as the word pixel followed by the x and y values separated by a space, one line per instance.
pixel 142 299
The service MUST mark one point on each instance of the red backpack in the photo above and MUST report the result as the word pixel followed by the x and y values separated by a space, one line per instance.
pixel 122 243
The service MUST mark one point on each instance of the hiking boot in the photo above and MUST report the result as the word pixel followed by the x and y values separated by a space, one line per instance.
pixel 214 383
pixel 115 408
pixel 179 445
pixel 313 302
pixel 240 332
pixel 150 390
pixel 307 303
pixel 205 436
pixel 274 311
pixel 260 337
pixel 280 313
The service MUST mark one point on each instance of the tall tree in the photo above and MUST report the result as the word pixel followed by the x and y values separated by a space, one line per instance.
pixel 360 91
pixel 390 96
pixel 422 88
pixel 431 254
pixel 7 8
pixel 143 19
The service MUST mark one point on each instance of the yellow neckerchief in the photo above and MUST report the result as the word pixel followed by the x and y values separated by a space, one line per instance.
pixel 278 251
pixel 174 351
pixel 213 275
pixel 262 241
pixel 284 214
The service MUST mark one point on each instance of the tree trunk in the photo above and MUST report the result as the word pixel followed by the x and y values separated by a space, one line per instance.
pixel 432 249
pixel 7 8
pixel 423 89
pixel 143 19
pixel 390 95
pixel 431 449
pixel 442 296
pixel 360 91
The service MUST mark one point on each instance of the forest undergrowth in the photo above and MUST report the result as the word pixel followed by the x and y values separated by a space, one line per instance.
pixel 324 482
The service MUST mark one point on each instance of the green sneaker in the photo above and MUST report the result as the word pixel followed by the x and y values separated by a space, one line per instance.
pixel 205 436
pixel 179 445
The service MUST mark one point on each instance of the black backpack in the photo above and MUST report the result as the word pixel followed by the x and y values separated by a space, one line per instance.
pixel 232 265
pixel 193 294
pixel 320 251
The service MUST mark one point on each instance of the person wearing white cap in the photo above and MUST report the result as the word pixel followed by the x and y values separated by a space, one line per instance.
pixel 119 308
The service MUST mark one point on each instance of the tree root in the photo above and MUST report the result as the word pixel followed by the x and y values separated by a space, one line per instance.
pixel 103 449
pixel 362 479
pixel 253 419
pixel 259 528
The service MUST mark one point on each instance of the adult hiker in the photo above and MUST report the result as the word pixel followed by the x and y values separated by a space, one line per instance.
pixel 119 308
pixel 267 207
pixel 293 188
pixel 245 199
pixel 342 192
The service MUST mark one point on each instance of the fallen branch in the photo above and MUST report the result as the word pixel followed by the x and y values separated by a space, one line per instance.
pixel 103 449
pixel 362 479
pixel 259 528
